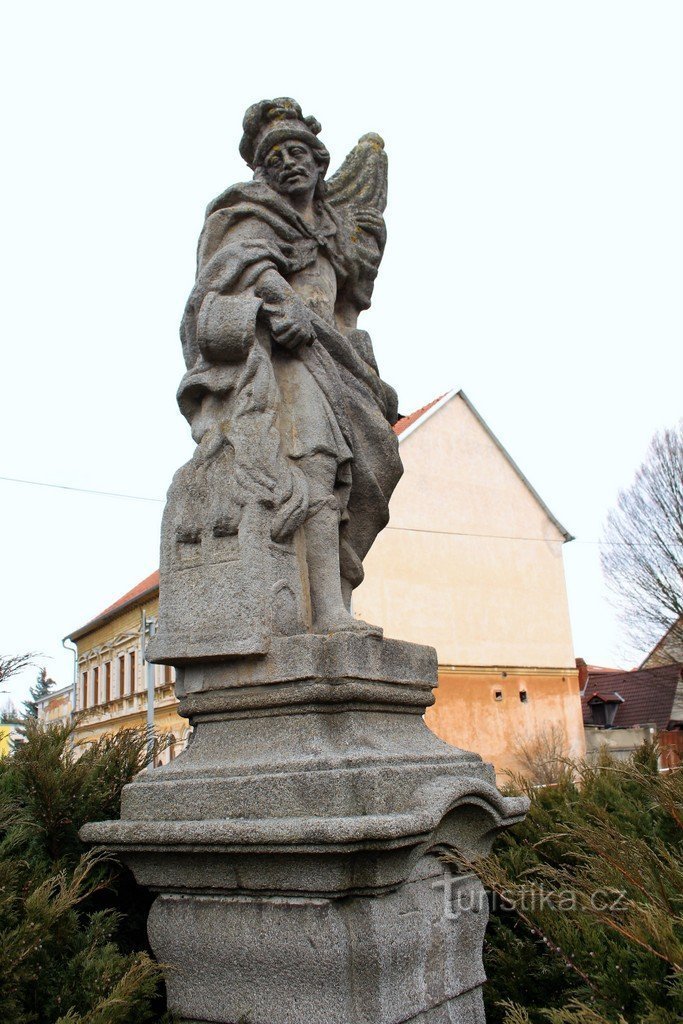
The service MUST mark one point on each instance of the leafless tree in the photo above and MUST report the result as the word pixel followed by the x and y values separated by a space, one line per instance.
pixel 642 549
pixel 8 713
pixel 9 666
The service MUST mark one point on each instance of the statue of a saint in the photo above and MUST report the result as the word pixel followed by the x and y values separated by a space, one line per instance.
pixel 295 848
pixel 269 523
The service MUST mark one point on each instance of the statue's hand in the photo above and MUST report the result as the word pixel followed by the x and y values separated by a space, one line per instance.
pixel 289 319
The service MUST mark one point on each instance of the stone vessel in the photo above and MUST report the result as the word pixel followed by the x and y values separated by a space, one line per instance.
pixel 297 845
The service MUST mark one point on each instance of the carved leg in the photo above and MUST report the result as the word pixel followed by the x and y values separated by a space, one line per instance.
pixel 322 554
pixel 329 608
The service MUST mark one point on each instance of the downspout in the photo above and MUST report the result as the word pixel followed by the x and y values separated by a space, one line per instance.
pixel 148 629
pixel 74 685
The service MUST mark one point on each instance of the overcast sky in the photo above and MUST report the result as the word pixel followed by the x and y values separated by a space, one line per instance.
pixel 535 254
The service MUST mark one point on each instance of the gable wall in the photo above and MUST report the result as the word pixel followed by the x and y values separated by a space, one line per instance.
pixel 470 563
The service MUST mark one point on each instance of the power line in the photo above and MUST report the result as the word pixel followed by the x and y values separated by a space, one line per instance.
pixel 404 529
pixel 503 536
pixel 79 490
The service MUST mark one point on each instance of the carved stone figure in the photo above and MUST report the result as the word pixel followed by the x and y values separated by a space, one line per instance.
pixel 296 847
pixel 269 523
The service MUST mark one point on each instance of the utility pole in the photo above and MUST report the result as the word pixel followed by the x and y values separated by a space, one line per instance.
pixel 148 630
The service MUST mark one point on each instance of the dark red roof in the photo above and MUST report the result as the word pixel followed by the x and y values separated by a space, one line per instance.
pixel 606 697
pixel 648 695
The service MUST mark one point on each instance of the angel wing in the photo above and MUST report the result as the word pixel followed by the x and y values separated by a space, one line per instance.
pixel 362 178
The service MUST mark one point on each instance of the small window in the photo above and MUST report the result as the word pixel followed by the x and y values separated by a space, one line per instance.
pixel 84 690
pixel 523 696
pixel 132 681
pixel 499 694
pixel 107 682
pixel 96 685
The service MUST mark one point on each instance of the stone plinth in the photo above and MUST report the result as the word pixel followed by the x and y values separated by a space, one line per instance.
pixel 295 844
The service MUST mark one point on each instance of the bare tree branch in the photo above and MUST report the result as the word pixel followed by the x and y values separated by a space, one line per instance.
pixel 642 545
pixel 11 666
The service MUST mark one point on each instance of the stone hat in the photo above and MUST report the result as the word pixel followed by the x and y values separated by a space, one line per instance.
pixel 271 121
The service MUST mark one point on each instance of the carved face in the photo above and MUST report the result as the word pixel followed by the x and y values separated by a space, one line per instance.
pixel 291 169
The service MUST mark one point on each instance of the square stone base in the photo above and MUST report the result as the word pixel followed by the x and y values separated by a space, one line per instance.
pixel 410 955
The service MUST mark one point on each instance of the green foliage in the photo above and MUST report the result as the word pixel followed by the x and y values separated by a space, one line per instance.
pixel 72 939
pixel 587 925
pixel 41 688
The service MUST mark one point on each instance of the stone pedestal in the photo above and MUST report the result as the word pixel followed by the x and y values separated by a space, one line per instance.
pixel 295 844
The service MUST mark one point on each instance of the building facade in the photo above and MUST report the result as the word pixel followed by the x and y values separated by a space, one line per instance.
pixel 471 564
pixel 113 677
pixel 56 706
pixel 621 710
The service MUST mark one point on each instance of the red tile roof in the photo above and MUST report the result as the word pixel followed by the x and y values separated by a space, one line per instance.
pixel 648 695
pixel 143 589
pixel 404 422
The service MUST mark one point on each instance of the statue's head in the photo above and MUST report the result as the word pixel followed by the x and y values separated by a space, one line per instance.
pixel 282 147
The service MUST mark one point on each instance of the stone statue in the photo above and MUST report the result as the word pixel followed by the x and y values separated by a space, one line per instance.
pixel 296 459
pixel 296 846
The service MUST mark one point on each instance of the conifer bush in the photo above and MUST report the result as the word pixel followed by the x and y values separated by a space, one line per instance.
pixel 72 920
pixel 587 894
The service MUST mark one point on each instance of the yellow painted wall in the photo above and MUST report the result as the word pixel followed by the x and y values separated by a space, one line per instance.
pixel 127 621
pixel 166 722
pixel 126 710
pixel 5 747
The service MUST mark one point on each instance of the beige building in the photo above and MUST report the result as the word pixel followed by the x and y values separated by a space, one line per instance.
pixel 56 706
pixel 113 678
pixel 471 563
